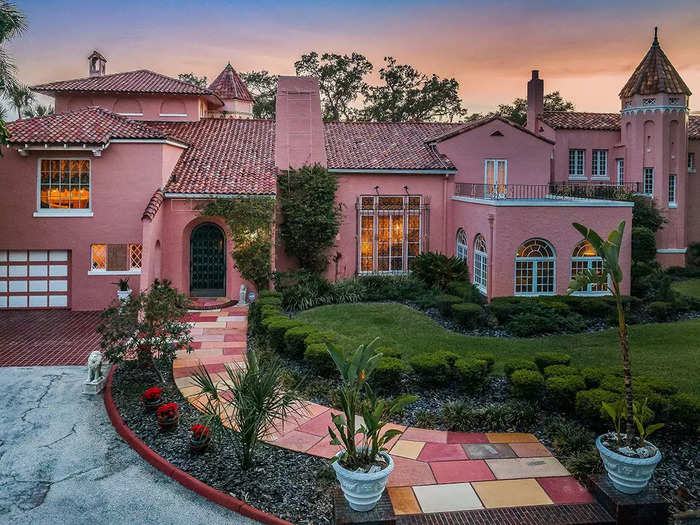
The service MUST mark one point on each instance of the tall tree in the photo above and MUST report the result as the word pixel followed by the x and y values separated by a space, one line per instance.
pixel 263 86
pixel 341 80
pixel 12 24
pixel 193 79
pixel 38 110
pixel 21 97
pixel 517 111
pixel 406 94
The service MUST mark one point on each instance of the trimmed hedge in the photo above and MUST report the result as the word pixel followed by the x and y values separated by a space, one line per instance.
pixel 490 360
pixel 511 365
pixel 471 373
pixel 276 330
pixel 264 294
pixel 545 359
pixel 643 244
pixel 560 371
pixel 467 315
pixel 265 323
pixel 317 357
pixel 592 377
pixel 444 303
pixel 589 406
pixel 321 337
pixel 661 310
pixel 467 291
pixel 432 369
pixel 562 390
pixel 388 371
pixel 387 351
pixel 295 339
pixel 684 410
pixel 527 384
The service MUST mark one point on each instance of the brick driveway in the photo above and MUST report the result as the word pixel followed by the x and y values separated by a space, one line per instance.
pixel 47 337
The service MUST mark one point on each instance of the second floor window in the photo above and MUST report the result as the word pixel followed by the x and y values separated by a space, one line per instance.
pixel 691 162
pixel 648 182
pixel 599 167
pixel 672 181
pixel 576 162
pixel 620 172
pixel 64 184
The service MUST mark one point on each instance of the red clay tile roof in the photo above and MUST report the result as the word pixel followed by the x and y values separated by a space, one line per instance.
pixel 384 145
pixel 229 85
pixel 153 205
pixel 582 120
pixel 654 74
pixel 468 126
pixel 226 156
pixel 140 81
pixel 694 127
pixel 91 125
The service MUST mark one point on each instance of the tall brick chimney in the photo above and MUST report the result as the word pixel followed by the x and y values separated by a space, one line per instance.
pixel 299 138
pixel 535 100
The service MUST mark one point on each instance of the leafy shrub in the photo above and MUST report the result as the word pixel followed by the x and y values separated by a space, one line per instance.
pixel 268 310
pixel 530 324
pixel 389 370
pixel 562 389
pixel 684 410
pixel 303 289
pixel 527 384
pixel 592 377
pixel 560 371
pixel 320 337
pixel 426 419
pixel 650 282
pixel 545 359
pixel 317 357
pixel 444 303
pixel 432 369
pixel 589 406
pixel 448 356
pixel 568 436
pixel 471 373
pixel 490 360
pixel 276 330
pixel 389 352
pixel 659 385
pixel 660 310
pixel 645 213
pixel 436 269
pixel 467 291
pixel 643 244
pixel 692 271
pixel 267 321
pixel 511 365
pixel 264 294
pixel 462 417
pixel 467 315
pixel 392 287
pixel 295 339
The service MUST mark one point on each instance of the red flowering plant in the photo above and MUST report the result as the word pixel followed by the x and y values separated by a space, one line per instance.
pixel 200 432
pixel 168 412
pixel 152 395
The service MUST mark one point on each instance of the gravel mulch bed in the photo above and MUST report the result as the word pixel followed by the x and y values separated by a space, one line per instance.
pixel 294 486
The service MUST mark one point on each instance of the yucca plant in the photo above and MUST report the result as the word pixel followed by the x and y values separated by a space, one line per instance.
pixel 248 404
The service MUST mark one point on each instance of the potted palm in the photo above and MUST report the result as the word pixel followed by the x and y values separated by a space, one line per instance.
pixel 123 290
pixel 363 466
pixel 629 459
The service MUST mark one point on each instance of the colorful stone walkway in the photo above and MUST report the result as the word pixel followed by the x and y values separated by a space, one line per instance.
pixel 435 470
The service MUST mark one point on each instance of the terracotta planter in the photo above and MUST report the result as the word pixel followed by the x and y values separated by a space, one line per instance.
pixel 200 445
pixel 153 405
pixel 169 423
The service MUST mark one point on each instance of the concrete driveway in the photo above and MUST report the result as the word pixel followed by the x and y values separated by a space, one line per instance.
pixel 61 461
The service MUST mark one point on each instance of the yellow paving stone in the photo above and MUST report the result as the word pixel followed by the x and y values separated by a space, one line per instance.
pixel 184 363
pixel 403 500
pixel 511 493
pixel 511 437
pixel 407 449
pixel 189 391
pixel 184 382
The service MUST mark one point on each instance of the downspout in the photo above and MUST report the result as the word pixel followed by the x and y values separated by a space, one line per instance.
pixel 489 279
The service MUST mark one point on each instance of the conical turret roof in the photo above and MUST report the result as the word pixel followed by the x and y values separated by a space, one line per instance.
pixel 228 85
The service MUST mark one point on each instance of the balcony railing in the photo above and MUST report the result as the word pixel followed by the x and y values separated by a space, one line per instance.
pixel 554 190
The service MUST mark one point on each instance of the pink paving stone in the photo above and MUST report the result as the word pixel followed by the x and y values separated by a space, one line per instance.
pixel 185 371
pixel 565 490
pixel 409 472
pixel 530 450
pixel 235 336
pixel 299 441
pixel 223 344
pixel 235 324
pixel 208 338
pixel 421 434
pixel 441 452
pixel 324 449
pixel 311 410
pixel 319 424
pixel 461 471
pixel 391 426
pixel 213 368
pixel 196 345
pixel 234 351
pixel 466 437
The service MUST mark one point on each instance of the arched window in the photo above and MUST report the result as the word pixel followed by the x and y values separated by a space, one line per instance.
pixel 462 245
pixel 535 268
pixel 481 263
pixel 586 258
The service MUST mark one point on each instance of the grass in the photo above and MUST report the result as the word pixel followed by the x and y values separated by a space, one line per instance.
pixel 669 350
pixel 690 287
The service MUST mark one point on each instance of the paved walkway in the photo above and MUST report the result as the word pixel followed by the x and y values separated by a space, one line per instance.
pixel 47 337
pixel 435 470
pixel 62 462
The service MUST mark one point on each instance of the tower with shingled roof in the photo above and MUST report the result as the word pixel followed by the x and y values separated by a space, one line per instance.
pixel 238 102
pixel 654 142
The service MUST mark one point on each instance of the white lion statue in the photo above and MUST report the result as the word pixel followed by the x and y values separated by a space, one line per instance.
pixel 94 365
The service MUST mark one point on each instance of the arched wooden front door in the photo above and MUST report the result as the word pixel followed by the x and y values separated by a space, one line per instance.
pixel 207 261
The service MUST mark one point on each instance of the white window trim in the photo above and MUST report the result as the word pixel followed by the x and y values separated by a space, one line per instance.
pixel 462 247
pixel 54 212
pixel 673 203
pixel 653 176
pixel 536 261
pixel 587 291
pixel 495 171
pixel 692 166
pixel 131 114
pixel 481 286
pixel 620 163
pixel 136 271
pixel 575 176
pixel 172 114
pixel 604 152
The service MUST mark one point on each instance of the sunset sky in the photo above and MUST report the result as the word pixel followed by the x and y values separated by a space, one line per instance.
pixel 585 49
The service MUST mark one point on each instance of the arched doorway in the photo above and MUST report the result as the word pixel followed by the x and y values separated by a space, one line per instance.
pixel 207 261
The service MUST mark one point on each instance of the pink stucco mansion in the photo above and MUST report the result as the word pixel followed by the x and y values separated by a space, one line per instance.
pixel 111 185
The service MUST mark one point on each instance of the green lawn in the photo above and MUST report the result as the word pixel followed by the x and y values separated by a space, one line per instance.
pixel 670 350
pixel 690 287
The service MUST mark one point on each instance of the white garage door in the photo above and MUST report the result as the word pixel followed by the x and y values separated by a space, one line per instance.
pixel 34 278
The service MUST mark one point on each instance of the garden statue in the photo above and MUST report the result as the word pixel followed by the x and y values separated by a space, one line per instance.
pixel 95 380
pixel 242 295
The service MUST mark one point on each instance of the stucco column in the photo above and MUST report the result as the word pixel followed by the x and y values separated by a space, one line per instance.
pixel 489 279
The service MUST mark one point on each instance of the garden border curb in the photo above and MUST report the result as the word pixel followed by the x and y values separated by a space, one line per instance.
pixel 183 478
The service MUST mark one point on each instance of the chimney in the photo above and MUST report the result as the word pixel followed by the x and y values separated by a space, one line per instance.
pixel 299 138
pixel 535 100
pixel 96 64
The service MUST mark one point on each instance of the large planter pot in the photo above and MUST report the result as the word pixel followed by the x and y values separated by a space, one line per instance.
pixel 362 490
pixel 152 405
pixel 123 295
pixel 628 475
pixel 169 423
pixel 200 445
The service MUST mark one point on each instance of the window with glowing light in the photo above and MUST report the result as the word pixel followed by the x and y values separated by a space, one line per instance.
pixel 461 251
pixel 390 232
pixel 98 256
pixel 481 263
pixel 585 258
pixel 535 268
pixel 64 184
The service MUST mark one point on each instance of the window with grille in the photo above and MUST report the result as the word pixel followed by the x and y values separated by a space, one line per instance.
pixel 390 232
pixel 585 258
pixel 648 182
pixel 461 251
pixel 599 166
pixel 691 162
pixel 98 256
pixel 481 263
pixel 620 172
pixel 64 184
pixel 116 257
pixel 672 181
pixel 535 268
pixel 135 256
pixel 576 163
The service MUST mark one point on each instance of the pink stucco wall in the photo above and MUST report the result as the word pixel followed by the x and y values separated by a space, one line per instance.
pixel 693 204
pixel 587 140
pixel 152 107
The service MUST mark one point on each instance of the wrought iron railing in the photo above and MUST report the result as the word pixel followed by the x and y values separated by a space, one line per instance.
pixel 554 190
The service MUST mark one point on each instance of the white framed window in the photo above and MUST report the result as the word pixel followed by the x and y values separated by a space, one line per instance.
pixel 461 251
pixel 481 263
pixel 599 164
pixel 648 182
pixel 672 193
pixel 691 162
pixel 535 268
pixel 495 177
pixel 64 187
pixel 390 232
pixel 620 164
pixel 584 258
pixel 576 163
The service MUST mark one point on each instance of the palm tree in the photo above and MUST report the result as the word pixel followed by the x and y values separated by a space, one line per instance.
pixel 38 110
pixel 12 24
pixel 21 97
pixel 610 276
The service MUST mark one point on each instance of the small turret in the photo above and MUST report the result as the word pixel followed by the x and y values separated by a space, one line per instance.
pixel 238 102
pixel 97 64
